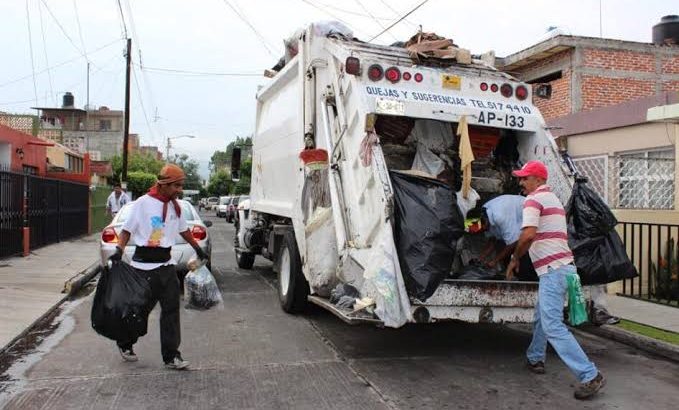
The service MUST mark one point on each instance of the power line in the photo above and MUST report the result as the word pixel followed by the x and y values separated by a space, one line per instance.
pixel 80 30
pixel 30 47
pixel 44 47
pixel 16 80
pixel 143 108
pixel 199 73
pixel 63 30
pixel 351 12
pixel 379 23
pixel 397 13
pixel 245 20
pixel 330 14
pixel 122 19
pixel 399 20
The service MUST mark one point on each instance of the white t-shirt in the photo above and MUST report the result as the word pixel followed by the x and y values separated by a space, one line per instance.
pixel 146 227
pixel 114 204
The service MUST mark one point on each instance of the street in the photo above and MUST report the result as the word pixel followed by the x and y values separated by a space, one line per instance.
pixel 252 355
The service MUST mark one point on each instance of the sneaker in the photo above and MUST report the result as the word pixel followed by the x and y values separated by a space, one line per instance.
pixel 602 317
pixel 537 367
pixel 128 354
pixel 177 364
pixel 589 389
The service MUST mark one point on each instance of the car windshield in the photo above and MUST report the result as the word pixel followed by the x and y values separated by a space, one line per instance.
pixel 187 212
pixel 224 200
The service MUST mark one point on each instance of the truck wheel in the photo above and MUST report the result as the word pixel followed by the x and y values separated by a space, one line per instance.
pixel 293 288
pixel 245 260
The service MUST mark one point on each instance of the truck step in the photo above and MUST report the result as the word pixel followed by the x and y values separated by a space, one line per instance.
pixel 348 316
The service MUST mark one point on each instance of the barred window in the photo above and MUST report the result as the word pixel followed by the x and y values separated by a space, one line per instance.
pixel 646 180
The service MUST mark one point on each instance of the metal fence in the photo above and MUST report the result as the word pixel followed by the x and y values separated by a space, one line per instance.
pixel 653 249
pixel 54 210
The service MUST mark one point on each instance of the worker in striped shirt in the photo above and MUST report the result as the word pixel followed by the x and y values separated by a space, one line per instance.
pixel 544 237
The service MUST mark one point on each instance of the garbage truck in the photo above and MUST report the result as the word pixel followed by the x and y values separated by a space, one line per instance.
pixel 360 187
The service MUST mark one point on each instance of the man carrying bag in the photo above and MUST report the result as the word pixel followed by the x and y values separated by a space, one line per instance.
pixel 154 222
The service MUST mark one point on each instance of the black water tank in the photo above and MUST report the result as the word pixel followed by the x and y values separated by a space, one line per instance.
pixel 667 31
pixel 69 101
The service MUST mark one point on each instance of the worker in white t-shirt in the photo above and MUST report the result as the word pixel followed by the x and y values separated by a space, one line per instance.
pixel 116 200
pixel 154 222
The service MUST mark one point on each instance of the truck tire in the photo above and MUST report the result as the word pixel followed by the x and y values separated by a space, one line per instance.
pixel 293 288
pixel 245 260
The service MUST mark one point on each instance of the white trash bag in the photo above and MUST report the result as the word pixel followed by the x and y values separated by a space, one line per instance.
pixel 200 288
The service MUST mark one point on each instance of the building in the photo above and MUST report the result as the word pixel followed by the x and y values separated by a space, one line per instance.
pixel 21 152
pixel 99 132
pixel 151 150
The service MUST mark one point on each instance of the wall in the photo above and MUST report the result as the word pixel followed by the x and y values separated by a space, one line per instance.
pixel 33 155
pixel 107 143
pixel 636 137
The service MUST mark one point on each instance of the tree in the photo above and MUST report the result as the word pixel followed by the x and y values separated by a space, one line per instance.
pixel 138 182
pixel 243 185
pixel 222 159
pixel 220 184
pixel 190 168
pixel 136 162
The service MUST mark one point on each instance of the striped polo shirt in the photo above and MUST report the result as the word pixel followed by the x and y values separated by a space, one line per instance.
pixel 549 249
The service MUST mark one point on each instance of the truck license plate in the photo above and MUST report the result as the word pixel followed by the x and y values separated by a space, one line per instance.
pixel 389 107
pixel 451 82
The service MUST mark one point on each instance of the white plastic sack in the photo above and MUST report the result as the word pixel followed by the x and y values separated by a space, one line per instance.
pixel 426 161
pixel 321 251
pixel 469 203
pixel 328 27
pixel 436 136
pixel 383 282
pixel 201 290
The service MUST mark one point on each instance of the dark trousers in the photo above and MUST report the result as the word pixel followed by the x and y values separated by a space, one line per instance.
pixel 526 269
pixel 164 289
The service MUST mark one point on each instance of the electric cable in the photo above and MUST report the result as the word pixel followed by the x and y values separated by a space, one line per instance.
pixel 399 20
pixel 246 21
pixel 143 107
pixel 30 48
pixel 332 15
pixel 199 73
pixel 397 13
pixel 122 19
pixel 351 12
pixel 44 47
pixel 63 30
pixel 80 30
pixel 379 23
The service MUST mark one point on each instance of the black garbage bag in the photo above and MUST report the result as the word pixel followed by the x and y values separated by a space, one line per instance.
pixel 587 213
pixel 602 259
pixel 427 225
pixel 121 303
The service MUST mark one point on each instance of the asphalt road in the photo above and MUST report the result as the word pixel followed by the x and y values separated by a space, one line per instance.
pixel 252 355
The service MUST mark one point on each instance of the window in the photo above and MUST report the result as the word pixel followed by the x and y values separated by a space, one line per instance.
pixel 646 180
pixel 546 78
pixel 104 125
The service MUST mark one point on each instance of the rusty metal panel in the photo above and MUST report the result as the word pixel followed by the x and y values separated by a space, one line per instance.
pixel 477 314
pixel 484 293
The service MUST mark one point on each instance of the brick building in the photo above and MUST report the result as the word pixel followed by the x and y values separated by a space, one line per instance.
pixel 589 73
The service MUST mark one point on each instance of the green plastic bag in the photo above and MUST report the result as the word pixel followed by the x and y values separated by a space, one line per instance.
pixel 577 307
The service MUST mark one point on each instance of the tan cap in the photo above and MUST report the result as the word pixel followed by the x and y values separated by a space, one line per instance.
pixel 171 173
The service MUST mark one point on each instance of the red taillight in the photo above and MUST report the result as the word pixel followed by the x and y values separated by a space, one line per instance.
pixel 352 66
pixel 392 74
pixel 506 90
pixel 493 88
pixel 484 86
pixel 198 232
pixel 108 235
pixel 407 76
pixel 418 77
pixel 375 72
pixel 521 92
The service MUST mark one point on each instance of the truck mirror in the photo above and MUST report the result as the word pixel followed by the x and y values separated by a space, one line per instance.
pixel 543 91
pixel 235 164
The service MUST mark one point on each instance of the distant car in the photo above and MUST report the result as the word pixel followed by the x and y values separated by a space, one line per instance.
pixel 233 207
pixel 223 206
pixel 212 203
pixel 181 252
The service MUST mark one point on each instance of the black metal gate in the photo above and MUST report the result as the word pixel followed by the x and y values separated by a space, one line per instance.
pixel 55 210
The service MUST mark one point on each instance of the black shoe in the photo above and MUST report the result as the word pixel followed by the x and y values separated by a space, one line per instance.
pixel 589 389
pixel 177 364
pixel 537 367
pixel 128 354
pixel 602 317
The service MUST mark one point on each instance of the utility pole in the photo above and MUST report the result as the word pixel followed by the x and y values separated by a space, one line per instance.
pixel 126 137
pixel 87 112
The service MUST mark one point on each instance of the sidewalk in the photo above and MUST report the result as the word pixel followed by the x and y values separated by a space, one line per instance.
pixel 32 286
pixel 647 313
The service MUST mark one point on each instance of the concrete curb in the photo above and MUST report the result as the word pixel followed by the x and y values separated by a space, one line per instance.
pixel 71 286
pixel 74 284
pixel 647 344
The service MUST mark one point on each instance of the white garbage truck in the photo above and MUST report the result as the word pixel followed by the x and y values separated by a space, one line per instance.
pixel 360 186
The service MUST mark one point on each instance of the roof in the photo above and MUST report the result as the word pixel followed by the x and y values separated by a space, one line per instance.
pixel 16 133
pixel 557 44
pixel 615 116
pixel 78 110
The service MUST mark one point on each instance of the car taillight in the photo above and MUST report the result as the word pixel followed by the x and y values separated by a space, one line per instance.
pixel 484 86
pixel 506 90
pixel 521 92
pixel 392 74
pixel 352 66
pixel 108 235
pixel 407 76
pixel 418 77
pixel 375 72
pixel 493 88
pixel 199 233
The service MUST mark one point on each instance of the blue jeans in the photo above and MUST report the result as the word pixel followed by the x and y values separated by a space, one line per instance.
pixel 548 326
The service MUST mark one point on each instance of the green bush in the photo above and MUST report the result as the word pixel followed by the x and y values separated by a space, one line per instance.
pixel 139 182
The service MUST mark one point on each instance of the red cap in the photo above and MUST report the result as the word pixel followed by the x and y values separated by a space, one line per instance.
pixel 532 168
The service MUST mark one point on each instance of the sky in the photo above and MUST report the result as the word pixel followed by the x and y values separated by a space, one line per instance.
pixel 198 63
